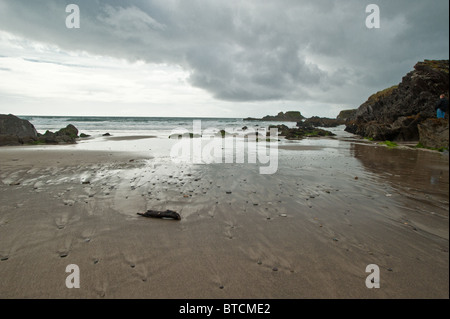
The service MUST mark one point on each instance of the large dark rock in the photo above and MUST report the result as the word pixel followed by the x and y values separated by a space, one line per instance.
pixel 434 133
pixel 9 140
pixel 301 132
pixel 67 135
pixel 14 131
pixel 396 112
pixel 320 122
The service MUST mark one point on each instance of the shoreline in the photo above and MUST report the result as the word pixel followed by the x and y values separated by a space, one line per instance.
pixel 308 231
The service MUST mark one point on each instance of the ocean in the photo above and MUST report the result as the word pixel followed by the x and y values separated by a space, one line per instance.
pixel 158 126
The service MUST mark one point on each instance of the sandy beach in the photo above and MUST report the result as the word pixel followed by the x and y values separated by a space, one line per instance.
pixel 308 231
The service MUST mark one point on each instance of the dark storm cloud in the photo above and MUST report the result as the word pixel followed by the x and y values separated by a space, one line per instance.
pixel 250 50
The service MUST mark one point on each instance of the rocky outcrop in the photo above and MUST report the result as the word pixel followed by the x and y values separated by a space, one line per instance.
pixel 290 116
pixel 395 113
pixel 434 133
pixel 67 135
pixel 320 122
pixel 346 114
pixel 15 131
pixel 301 132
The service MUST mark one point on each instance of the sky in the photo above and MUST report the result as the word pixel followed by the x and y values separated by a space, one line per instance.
pixel 204 58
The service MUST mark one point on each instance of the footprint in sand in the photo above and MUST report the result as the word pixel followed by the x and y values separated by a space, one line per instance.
pixel 61 221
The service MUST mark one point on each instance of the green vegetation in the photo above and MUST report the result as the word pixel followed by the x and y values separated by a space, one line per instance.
pixel 381 94
pixel 441 149
pixel 369 138
pixel 389 144
pixel 38 142
pixel 436 64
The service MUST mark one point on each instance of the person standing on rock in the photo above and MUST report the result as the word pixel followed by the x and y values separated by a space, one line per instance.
pixel 441 107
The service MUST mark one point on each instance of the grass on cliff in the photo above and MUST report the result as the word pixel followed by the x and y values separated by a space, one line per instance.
pixel 381 94
pixel 437 64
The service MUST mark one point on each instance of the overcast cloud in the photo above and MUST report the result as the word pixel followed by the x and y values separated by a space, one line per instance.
pixel 216 58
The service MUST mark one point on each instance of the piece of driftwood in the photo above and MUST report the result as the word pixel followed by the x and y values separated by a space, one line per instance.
pixel 170 214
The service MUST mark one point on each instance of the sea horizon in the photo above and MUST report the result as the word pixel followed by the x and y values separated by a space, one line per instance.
pixel 130 124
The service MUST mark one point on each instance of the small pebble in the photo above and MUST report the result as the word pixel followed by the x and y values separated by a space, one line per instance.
pixel 275 269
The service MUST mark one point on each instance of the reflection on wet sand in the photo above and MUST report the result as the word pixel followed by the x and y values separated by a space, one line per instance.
pixel 420 173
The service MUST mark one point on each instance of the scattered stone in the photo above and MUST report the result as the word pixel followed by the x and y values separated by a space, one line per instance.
pixel 283 215
pixel 4 259
pixel 275 269
pixel 168 214
pixel 335 239
pixel 106 134
pixel 69 202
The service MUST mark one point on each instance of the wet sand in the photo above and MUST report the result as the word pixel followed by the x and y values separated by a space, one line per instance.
pixel 308 231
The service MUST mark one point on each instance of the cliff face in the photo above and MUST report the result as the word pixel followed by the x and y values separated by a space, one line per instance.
pixel 396 112
pixel 346 114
